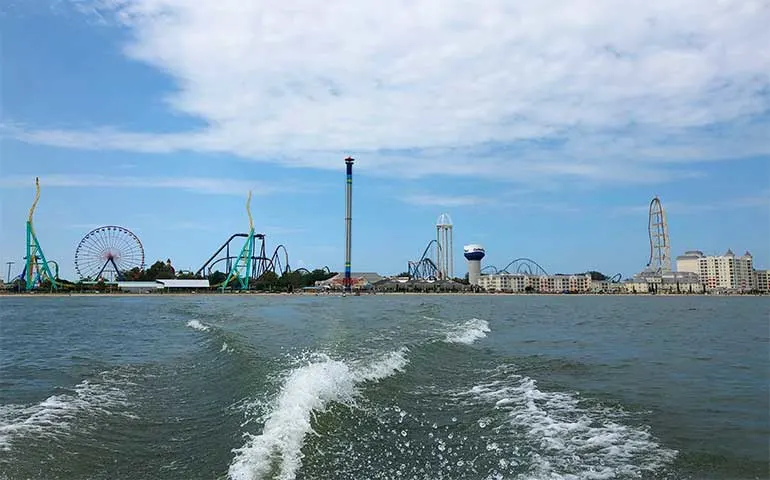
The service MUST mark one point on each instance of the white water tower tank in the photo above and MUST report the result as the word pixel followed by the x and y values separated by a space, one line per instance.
pixel 474 253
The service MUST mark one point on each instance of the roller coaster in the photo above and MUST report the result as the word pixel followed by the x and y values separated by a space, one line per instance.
pixel 519 265
pixel 425 268
pixel 226 256
pixel 530 267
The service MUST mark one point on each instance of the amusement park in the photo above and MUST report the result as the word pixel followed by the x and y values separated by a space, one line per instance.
pixel 111 258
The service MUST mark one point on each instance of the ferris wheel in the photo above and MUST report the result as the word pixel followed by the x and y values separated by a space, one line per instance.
pixel 106 252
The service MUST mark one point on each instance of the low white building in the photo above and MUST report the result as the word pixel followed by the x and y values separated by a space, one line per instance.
pixel 139 287
pixel 188 284
pixel 666 282
pixel 522 282
pixel 159 285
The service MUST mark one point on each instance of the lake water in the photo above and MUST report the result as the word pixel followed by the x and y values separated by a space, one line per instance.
pixel 384 387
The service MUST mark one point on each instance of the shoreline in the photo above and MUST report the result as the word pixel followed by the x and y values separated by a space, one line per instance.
pixel 286 294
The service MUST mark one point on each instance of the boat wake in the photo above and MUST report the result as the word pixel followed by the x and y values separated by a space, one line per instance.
pixel 307 391
pixel 198 325
pixel 468 332
pixel 565 438
pixel 55 415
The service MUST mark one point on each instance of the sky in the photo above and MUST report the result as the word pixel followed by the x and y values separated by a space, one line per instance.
pixel 543 128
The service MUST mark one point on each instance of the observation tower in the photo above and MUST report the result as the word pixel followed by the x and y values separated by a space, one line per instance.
pixel 474 253
pixel 444 251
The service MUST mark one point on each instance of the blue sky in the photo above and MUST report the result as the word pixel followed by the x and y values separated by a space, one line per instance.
pixel 542 128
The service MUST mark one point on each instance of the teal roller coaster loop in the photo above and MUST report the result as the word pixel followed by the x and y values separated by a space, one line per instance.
pixel 242 268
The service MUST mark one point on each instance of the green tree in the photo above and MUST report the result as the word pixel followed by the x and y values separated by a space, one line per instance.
pixel 597 276
pixel 187 276
pixel 160 271
pixel 217 277
pixel 267 281
pixel 135 274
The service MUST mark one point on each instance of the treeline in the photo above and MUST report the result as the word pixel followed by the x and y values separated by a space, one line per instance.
pixel 272 282
pixel 157 271
pixel 268 282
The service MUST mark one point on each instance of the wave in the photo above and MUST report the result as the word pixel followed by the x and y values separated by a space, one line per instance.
pixel 307 391
pixel 55 415
pixel 570 440
pixel 197 325
pixel 467 333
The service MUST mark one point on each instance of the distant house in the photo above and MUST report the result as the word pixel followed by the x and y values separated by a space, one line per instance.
pixel 358 280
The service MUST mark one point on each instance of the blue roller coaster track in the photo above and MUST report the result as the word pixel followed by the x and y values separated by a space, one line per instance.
pixel 424 268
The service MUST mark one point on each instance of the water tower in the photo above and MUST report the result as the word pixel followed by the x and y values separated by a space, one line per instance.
pixel 444 251
pixel 474 253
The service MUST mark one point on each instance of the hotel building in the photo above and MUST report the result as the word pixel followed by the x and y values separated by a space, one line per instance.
pixel 522 282
pixel 719 272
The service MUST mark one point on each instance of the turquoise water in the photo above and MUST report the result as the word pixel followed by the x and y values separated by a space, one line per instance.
pixel 384 387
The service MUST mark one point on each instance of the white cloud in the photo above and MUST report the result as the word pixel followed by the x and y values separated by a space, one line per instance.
pixel 761 200
pixel 445 200
pixel 610 91
pixel 499 200
pixel 213 186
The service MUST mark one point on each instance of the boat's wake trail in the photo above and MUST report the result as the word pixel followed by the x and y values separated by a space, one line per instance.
pixel 308 390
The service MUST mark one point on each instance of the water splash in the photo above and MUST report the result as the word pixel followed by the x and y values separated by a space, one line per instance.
pixel 470 331
pixel 567 439
pixel 197 325
pixel 55 415
pixel 307 391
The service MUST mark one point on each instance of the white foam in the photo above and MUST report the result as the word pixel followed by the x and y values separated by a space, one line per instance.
pixel 572 441
pixel 306 391
pixel 198 326
pixel 226 348
pixel 468 332
pixel 55 414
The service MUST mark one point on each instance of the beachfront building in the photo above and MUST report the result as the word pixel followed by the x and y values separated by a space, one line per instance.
pixel 689 262
pixel 727 272
pixel 762 280
pixel 522 282
pixel 666 282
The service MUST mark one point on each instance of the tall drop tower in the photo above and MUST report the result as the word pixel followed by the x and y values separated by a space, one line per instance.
pixel 474 253
pixel 348 218
pixel 444 251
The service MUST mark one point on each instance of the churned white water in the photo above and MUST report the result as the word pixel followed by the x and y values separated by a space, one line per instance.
pixel 306 391
pixel 573 441
pixel 468 332
pixel 197 325
pixel 55 414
